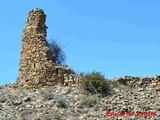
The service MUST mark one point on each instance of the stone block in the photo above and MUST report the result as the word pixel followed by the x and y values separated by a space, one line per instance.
pixel 45 48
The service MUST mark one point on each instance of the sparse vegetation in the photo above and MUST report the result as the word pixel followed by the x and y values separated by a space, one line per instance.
pixel 90 102
pixel 121 87
pixel 57 52
pixel 127 88
pixel 95 82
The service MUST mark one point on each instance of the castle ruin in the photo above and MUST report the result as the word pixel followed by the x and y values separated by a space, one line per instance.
pixel 36 68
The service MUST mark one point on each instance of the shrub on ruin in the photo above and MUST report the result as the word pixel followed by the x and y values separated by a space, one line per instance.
pixel 57 52
pixel 95 82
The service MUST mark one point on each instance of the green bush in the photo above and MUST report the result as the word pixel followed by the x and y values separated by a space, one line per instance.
pixel 95 82
pixel 90 102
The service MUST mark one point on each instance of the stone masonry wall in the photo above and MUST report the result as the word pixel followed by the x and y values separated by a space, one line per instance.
pixel 36 68
pixel 142 82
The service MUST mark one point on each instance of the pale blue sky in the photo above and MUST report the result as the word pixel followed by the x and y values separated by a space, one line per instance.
pixel 116 37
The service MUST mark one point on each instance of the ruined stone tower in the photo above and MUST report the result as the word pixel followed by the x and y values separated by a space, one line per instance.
pixel 36 68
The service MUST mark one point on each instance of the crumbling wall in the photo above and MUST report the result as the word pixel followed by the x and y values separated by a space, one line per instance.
pixel 36 68
pixel 143 82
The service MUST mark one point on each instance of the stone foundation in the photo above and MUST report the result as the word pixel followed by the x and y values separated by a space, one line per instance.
pixel 143 82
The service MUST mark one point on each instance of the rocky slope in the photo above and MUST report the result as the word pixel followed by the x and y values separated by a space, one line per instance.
pixel 72 103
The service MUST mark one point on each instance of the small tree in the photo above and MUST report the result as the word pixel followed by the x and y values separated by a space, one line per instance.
pixel 57 52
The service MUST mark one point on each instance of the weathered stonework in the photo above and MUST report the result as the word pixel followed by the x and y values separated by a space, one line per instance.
pixel 141 82
pixel 36 68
